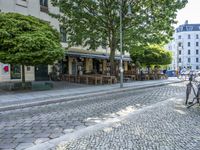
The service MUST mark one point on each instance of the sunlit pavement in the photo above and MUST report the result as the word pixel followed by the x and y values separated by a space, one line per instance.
pixel 153 118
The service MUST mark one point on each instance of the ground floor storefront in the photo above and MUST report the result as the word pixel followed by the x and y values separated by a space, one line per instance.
pixel 80 66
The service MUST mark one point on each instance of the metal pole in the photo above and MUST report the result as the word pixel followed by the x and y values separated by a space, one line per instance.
pixel 121 48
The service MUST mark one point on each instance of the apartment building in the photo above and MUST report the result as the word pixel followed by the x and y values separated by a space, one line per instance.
pixel 186 47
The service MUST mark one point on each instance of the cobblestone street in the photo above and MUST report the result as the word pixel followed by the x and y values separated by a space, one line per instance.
pixel 159 121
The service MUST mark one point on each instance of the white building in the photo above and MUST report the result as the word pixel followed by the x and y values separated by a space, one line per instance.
pixel 186 47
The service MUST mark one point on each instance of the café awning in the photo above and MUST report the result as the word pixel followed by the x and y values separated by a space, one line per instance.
pixel 92 54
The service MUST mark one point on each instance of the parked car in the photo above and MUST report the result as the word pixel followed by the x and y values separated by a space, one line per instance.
pixel 171 73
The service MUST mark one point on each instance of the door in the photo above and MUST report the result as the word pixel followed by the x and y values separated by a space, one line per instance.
pixel 41 73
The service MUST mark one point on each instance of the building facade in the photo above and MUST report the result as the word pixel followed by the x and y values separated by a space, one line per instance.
pixel 38 9
pixel 186 47
pixel 74 62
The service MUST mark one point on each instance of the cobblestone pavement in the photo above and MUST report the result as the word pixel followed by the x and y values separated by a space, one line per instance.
pixel 165 126
pixel 20 129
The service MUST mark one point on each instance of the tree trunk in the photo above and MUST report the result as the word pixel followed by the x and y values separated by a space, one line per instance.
pixel 112 44
pixel 112 61
pixel 23 76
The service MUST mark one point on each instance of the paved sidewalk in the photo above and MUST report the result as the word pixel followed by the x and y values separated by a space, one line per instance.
pixel 20 100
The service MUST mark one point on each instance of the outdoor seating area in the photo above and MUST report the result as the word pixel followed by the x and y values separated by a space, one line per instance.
pixel 91 79
pixel 99 79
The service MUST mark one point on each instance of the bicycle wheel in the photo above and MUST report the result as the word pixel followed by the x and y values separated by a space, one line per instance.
pixel 188 91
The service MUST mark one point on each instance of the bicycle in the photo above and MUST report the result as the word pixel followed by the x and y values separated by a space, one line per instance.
pixel 190 87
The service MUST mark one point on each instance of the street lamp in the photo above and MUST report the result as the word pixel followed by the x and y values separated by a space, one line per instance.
pixel 121 42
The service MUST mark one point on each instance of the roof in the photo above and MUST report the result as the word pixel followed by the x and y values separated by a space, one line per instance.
pixel 188 28
pixel 92 54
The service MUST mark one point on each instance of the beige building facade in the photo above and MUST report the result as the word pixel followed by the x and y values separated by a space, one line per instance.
pixel 78 63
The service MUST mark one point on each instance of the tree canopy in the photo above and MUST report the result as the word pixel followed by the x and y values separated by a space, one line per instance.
pixel 151 55
pixel 26 40
pixel 94 23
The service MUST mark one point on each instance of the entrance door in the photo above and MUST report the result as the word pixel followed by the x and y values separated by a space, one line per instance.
pixel 41 73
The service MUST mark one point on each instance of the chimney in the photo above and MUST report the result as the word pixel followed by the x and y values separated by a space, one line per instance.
pixel 186 22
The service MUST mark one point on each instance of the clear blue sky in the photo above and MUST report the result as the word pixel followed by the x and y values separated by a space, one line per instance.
pixel 191 12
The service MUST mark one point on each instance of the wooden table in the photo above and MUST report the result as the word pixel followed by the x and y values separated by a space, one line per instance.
pixel 133 77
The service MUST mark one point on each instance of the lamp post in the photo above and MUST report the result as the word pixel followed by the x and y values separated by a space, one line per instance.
pixel 121 41
pixel 121 47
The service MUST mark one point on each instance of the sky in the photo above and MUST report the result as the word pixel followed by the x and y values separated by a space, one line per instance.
pixel 190 12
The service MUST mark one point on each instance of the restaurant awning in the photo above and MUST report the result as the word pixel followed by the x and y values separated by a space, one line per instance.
pixel 92 54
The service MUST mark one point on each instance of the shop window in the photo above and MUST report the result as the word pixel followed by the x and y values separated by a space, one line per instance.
pixel 15 71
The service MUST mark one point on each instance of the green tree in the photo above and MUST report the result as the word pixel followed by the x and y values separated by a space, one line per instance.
pixel 94 23
pixel 26 40
pixel 151 55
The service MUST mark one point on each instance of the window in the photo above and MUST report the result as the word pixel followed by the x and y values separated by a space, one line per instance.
pixel 179 44
pixel 197 59
pixel 197 67
pixel 28 68
pixel 179 60
pixel 22 3
pixel 197 43
pixel 188 52
pixel 15 71
pixel 189 60
pixel 188 44
pixel 197 51
pixel 179 52
pixel 179 37
pixel 189 36
pixel 197 36
pixel 63 35
pixel 44 5
pixel 189 28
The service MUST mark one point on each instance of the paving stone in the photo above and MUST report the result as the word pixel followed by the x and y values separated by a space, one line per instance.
pixel 24 145
pixel 52 120
pixel 41 140
pixel 8 146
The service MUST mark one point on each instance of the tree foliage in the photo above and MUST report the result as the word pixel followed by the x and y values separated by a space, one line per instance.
pixel 151 55
pixel 27 40
pixel 94 23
